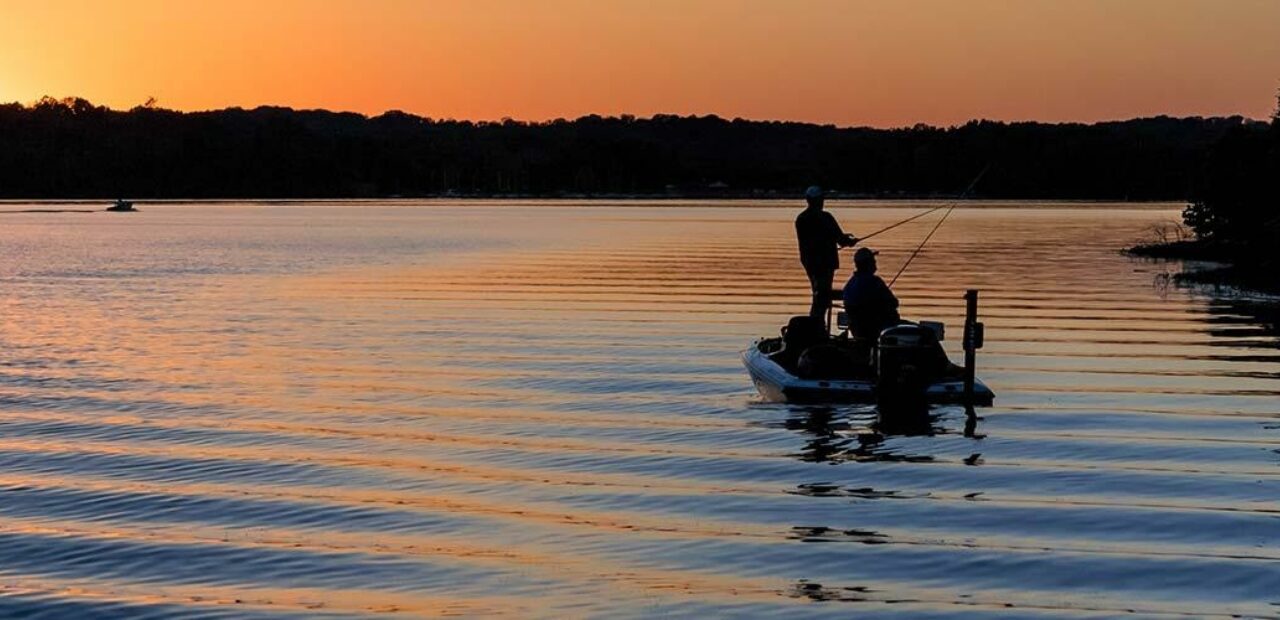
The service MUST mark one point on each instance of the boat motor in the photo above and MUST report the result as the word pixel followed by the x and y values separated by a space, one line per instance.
pixel 908 360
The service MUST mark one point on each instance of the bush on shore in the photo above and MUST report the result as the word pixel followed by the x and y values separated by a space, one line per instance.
pixel 1234 213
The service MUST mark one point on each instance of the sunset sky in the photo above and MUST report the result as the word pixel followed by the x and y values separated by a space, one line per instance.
pixel 849 62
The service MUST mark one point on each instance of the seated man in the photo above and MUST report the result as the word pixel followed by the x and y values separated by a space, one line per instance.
pixel 869 303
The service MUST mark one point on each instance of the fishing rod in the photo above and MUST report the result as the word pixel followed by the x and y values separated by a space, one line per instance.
pixel 921 246
pixel 893 226
pixel 938 225
pixel 920 215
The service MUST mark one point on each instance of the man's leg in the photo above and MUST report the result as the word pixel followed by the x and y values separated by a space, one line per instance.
pixel 820 284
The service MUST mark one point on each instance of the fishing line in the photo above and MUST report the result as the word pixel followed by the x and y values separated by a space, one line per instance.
pixel 921 246
pixel 893 226
pixel 935 226
pixel 920 215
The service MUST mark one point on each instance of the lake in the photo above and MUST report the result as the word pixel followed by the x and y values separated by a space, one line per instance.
pixel 538 409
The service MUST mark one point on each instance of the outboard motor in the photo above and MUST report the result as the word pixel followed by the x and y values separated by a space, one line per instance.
pixel 907 363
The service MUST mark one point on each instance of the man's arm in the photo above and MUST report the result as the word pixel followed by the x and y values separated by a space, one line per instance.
pixel 843 239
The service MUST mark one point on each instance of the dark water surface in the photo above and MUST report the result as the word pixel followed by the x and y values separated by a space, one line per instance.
pixel 539 410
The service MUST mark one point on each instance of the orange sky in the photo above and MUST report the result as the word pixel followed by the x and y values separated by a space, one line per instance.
pixel 849 62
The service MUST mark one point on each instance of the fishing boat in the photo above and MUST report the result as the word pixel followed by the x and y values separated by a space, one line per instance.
pixel 900 367
pixel 121 206
pixel 905 365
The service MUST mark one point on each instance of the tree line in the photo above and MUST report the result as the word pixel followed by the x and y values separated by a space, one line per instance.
pixel 71 148
pixel 1235 206
pixel 1237 197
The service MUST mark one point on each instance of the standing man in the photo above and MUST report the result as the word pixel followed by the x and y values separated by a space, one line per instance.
pixel 820 237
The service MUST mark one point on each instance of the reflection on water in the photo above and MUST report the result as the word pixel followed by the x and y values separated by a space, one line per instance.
pixel 539 410
pixel 834 434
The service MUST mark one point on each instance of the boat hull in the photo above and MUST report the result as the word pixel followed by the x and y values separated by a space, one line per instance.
pixel 776 384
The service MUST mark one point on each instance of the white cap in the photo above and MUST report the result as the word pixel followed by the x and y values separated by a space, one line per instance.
pixel 813 192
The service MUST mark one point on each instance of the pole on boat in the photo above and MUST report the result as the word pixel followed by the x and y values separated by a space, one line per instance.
pixel 972 342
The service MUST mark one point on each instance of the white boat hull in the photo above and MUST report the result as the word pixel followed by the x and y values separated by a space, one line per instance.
pixel 777 385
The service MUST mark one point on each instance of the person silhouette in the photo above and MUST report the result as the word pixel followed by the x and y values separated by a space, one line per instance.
pixel 820 236
pixel 867 299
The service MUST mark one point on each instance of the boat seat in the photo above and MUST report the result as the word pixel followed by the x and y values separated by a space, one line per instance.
pixel 801 333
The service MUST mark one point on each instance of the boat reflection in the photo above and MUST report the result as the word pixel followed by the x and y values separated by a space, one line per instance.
pixel 839 434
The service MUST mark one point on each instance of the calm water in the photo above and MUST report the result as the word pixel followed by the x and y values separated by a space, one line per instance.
pixel 539 410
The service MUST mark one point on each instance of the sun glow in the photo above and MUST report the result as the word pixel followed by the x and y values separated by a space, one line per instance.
pixel 839 61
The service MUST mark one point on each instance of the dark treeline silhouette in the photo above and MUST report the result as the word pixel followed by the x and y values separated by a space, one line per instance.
pixel 1238 197
pixel 1234 212
pixel 71 148
pixel 1235 208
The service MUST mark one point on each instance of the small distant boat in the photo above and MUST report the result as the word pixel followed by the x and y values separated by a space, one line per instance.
pixel 122 206
pixel 905 365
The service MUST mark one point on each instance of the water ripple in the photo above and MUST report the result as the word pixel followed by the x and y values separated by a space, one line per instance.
pixel 538 411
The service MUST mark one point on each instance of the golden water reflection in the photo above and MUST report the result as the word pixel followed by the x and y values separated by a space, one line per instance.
pixel 539 410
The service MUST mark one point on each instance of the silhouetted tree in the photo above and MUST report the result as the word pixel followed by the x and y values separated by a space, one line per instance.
pixel 1238 198
pixel 1235 211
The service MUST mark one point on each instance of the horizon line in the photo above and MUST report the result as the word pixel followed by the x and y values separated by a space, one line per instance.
pixel 153 103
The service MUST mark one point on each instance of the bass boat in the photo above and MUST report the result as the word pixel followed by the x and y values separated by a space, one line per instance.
pixel 906 364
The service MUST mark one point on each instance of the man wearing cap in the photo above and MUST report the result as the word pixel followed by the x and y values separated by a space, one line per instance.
pixel 820 236
pixel 867 299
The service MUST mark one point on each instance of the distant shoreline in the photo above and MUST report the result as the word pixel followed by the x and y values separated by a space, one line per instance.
pixel 73 148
